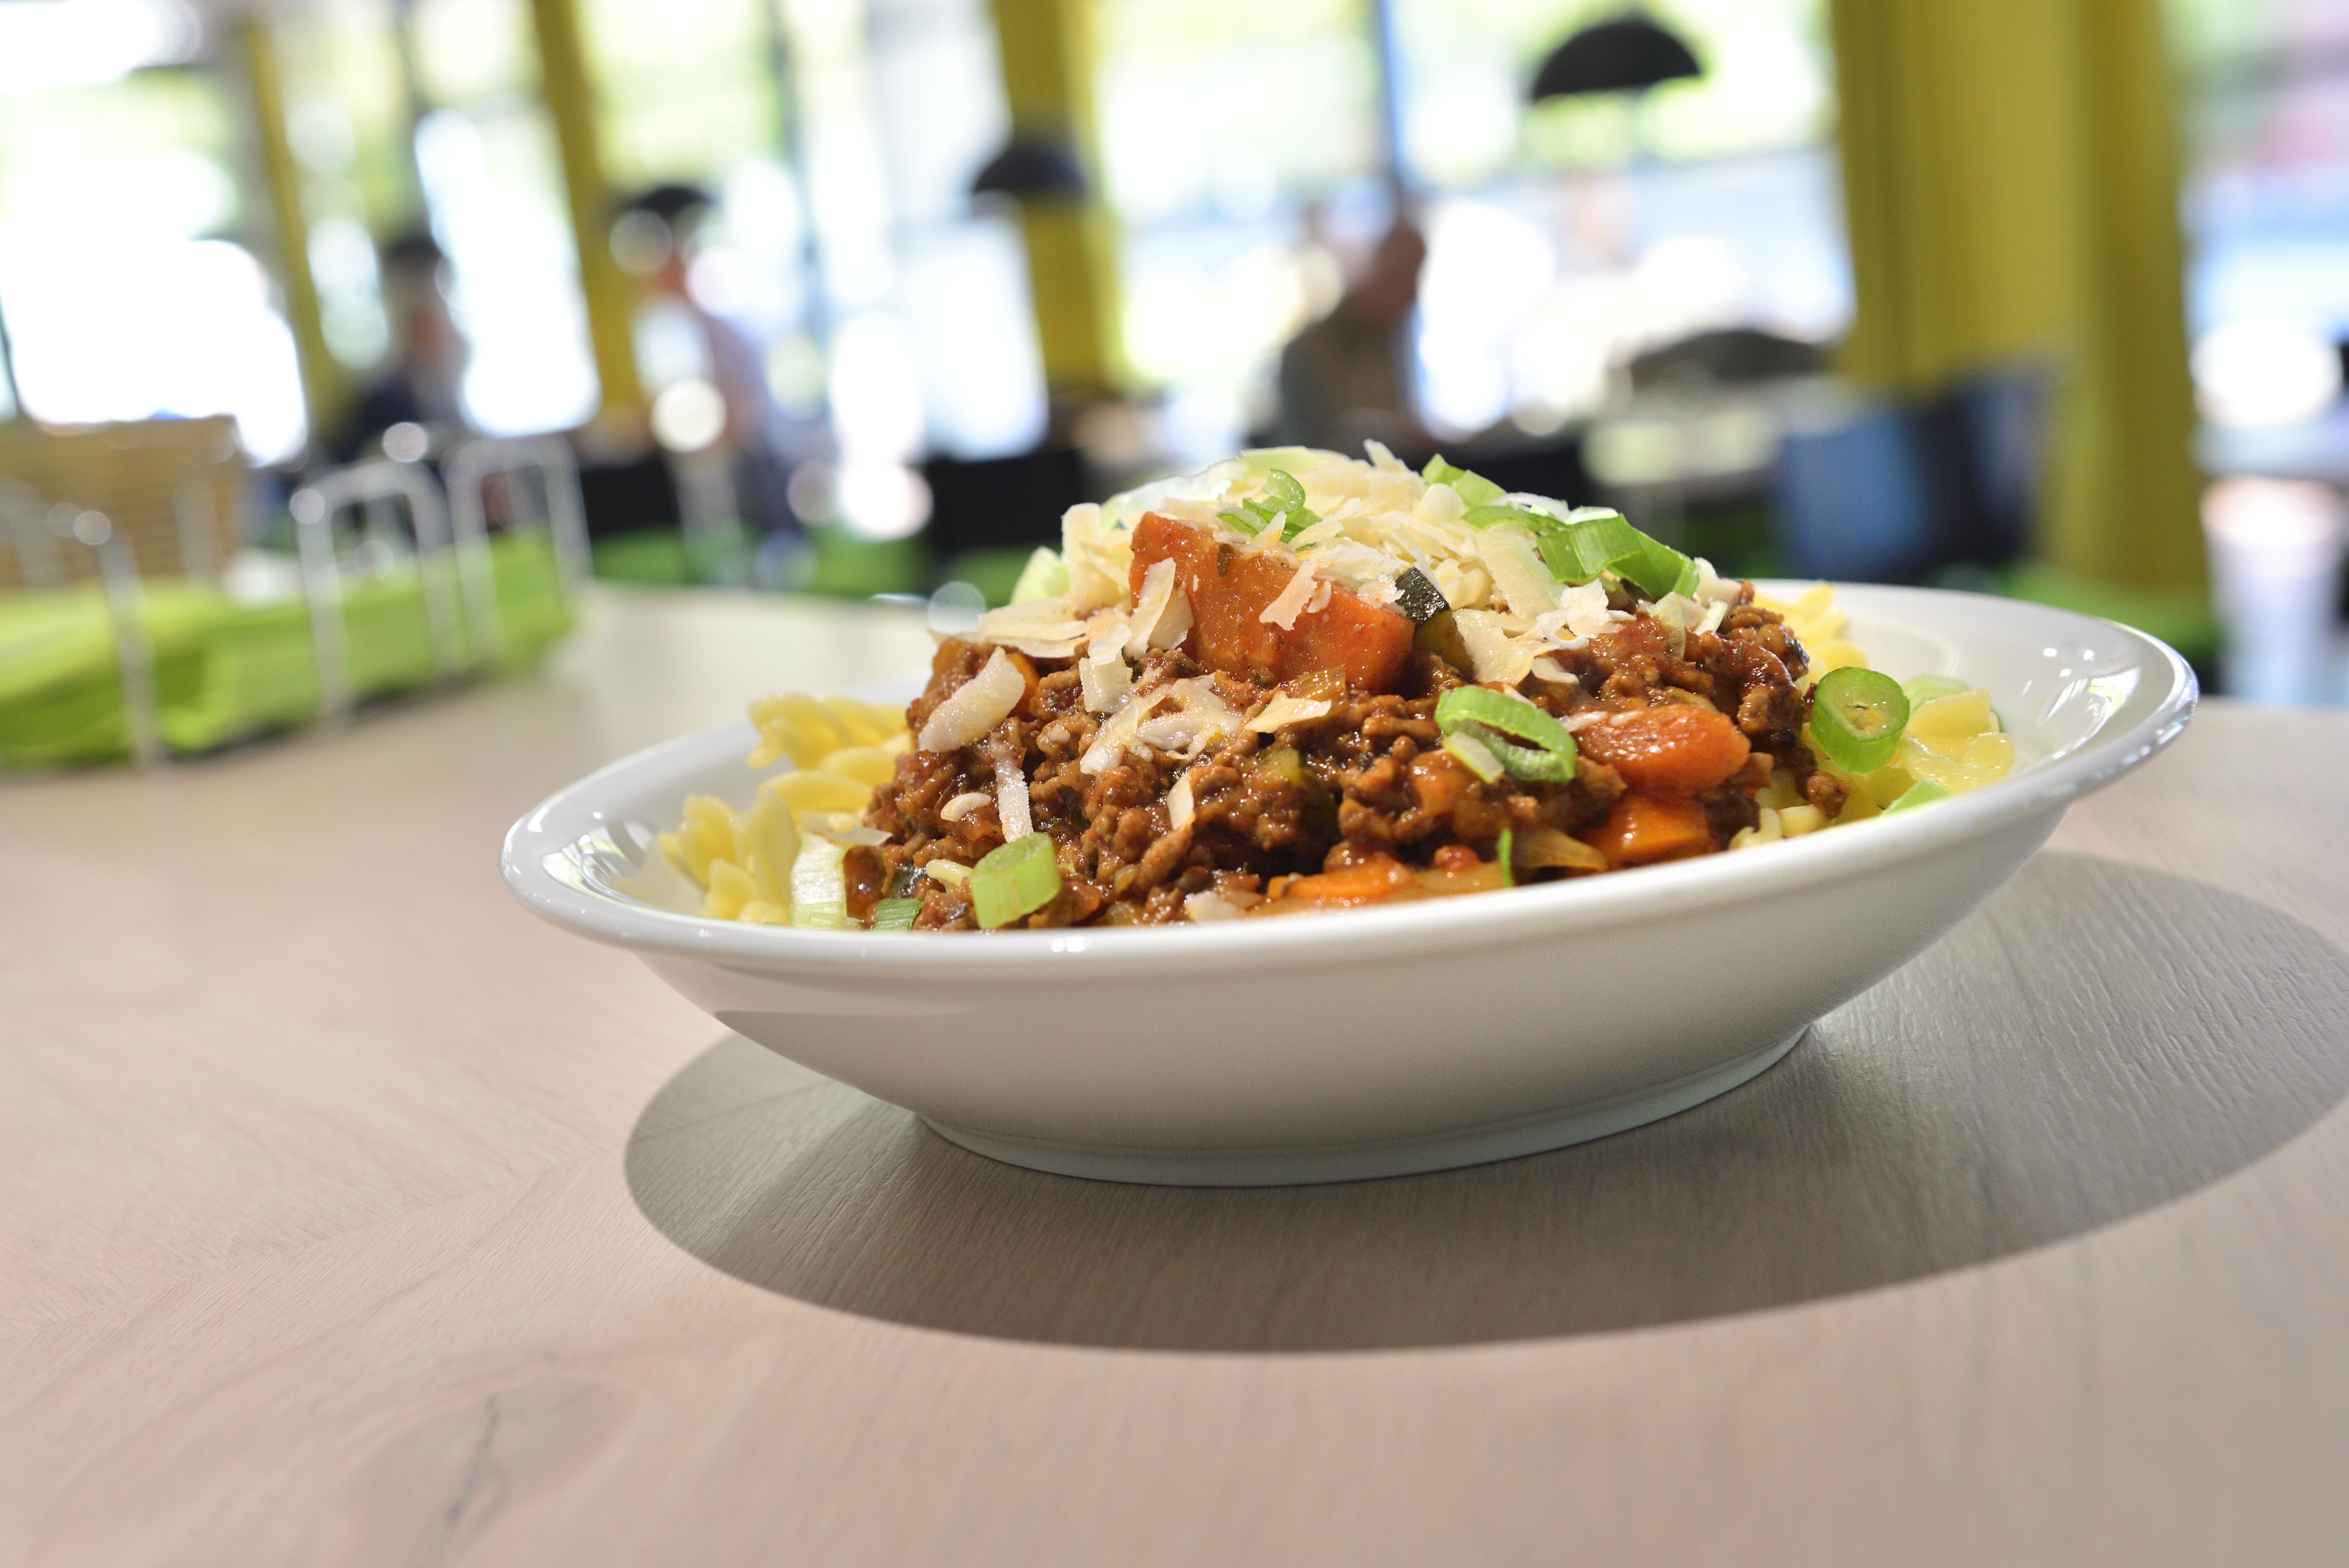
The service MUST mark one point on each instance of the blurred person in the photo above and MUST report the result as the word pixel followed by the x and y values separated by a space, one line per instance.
pixel 1349 376
pixel 418 384
pixel 681 339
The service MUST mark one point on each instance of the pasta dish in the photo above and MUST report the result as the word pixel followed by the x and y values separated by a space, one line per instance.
pixel 1300 681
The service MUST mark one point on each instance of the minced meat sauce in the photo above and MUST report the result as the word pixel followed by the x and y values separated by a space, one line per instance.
pixel 1362 805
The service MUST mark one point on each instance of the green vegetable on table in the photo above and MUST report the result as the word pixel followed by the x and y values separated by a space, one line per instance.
pixel 1856 717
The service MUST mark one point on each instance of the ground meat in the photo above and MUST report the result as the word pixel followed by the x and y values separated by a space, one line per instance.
pixel 1368 786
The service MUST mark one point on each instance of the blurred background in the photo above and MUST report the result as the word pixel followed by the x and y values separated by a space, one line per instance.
pixel 851 297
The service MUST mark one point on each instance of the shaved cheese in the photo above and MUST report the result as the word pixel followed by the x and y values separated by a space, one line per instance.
pixel 1268 538
pixel 1158 592
pixel 1110 740
pixel 1494 655
pixel 1291 603
pixel 1674 613
pixel 1287 709
pixel 1174 624
pixel 1012 801
pixel 1036 620
pixel 1384 459
pixel 1097 558
pixel 1321 600
pixel 1204 717
pixel 1179 804
pixel 1714 613
pixel 1524 580
pixel 1581 614
pixel 975 707
pixel 1712 587
pixel 1322 532
pixel 857 835
pixel 1106 687
pixel 1102 674
pixel 961 806
pixel 1550 670
pixel 1441 504
pixel 952 873
pixel 1207 906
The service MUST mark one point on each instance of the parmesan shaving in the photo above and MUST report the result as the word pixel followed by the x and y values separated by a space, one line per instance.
pixel 1096 558
pixel 1012 801
pixel 1175 625
pixel 961 806
pixel 1581 614
pixel 952 873
pixel 1158 592
pixel 1286 709
pixel 1179 804
pixel 1285 608
pixel 975 707
pixel 1207 906
pixel 1105 687
pixel 1268 537
pixel 1496 658
pixel 1518 573
pixel 1111 739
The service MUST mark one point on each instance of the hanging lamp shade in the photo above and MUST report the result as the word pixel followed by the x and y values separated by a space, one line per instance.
pixel 1630 54
pixel 1030 167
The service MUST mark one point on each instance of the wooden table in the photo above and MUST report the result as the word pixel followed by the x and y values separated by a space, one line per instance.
pixel 347 1214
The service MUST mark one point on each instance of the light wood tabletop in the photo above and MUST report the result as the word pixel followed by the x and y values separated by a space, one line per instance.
pixel 350 1214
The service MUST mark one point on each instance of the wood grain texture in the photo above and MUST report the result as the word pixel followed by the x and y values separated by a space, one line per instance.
pixel 348 1214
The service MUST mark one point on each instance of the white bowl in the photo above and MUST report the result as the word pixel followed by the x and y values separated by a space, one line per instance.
pixel 1379 1041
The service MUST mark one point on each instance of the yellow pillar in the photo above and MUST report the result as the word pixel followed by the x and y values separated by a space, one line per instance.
pixel 2011 185
pixel 571 103
pixel 326 389
pixel 1046 53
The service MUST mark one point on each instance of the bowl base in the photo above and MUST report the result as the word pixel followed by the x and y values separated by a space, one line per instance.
pixel 1363 1161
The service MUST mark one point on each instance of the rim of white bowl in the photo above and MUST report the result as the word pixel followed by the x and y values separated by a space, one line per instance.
pixel 1509 916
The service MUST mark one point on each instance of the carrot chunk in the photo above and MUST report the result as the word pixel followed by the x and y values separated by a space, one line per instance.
pixel 1643 829
pixel 1228 589
pixel 1679 749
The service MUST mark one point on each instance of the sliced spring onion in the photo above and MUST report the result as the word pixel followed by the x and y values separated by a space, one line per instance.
pixel 1474 489
pixel 1046 576
pixel 1497 722
pixel 1492 513
pixel 1015 880
pixel 1283 488
pixel 1473 754
pixel 897 914
pixel 1510 715
pixel 1590 541
pixel 1287 502
pixel 1925 688
pixel 1503 853
pixel 1857 716
pixel 1924 792
pixel 1532 764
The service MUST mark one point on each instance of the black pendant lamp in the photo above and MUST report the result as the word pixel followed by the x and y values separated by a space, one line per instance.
pixel 1032 167
pixel 1629 54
